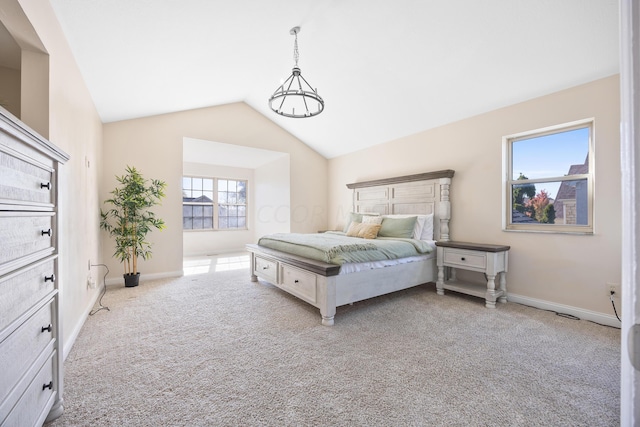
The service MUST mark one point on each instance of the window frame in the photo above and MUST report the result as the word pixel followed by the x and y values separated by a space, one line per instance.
pixel 215 204
pixel 508 181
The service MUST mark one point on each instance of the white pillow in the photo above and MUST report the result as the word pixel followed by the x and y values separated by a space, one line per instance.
pixel 371 219
pixel 427 230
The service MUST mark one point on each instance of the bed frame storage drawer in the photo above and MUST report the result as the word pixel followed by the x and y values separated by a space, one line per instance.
pixel 299 282
pixel 266 268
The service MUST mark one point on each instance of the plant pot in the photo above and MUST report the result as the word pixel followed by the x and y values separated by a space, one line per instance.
pixel 131 280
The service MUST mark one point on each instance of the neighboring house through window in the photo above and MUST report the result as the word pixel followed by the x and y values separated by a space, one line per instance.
pixel 549 179
pixel 213 203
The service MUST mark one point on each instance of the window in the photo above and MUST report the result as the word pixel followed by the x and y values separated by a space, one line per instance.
pixel 213 203
pixel 549 179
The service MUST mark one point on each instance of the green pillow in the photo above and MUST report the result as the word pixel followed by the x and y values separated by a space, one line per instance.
pixel 398 227
pixel 352 217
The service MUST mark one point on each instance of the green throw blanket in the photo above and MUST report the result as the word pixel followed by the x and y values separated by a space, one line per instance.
pixel 338 248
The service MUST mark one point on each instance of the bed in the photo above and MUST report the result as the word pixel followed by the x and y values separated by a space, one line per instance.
pixel 327 285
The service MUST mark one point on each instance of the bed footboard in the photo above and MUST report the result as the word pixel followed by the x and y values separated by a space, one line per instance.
pixel 321 285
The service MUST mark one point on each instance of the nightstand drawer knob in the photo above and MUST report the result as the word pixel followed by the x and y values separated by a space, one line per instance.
pixel 463 259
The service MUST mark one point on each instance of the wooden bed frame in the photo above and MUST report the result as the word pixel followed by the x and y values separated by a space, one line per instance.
pixel 321 285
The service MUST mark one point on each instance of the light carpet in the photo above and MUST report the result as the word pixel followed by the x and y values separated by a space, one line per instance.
pixel 219 350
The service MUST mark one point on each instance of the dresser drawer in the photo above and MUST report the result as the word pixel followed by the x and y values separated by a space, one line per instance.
pixel 23 182
pixel 24 238
pixel 267 269
pixel 22 348
pixel 21 290
pixel 37 400
pixel 465 259
pixel 300 283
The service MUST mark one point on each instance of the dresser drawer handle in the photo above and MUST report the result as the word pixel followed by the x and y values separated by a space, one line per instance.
pixel 47 232
pixel 266 267
pixel 50 278
pixel 47 185
pixel 47 328
pixel 295 281
pixel 463 258
pixel 48 386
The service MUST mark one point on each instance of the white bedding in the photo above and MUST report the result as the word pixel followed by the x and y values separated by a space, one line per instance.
pixel 362 266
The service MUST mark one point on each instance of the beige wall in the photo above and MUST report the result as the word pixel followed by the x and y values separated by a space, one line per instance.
pixel 272 212
pixel 563 269
pixel 154 146
pixel 10 90
pixel 74 126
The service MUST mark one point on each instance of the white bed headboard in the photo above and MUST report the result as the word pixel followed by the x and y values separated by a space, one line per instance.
pixel 419 194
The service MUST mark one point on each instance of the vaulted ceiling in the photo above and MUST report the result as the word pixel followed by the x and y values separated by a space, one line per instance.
pixel 386 69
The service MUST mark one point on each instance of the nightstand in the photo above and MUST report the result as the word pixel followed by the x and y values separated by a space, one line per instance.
pixel 492 260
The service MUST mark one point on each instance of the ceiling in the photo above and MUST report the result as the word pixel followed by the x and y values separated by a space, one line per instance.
pixel 386 69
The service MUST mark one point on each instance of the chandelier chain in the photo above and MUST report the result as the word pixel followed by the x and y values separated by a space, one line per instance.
pixel 296 55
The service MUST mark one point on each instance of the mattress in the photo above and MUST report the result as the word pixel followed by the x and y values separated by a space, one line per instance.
pixel 355 267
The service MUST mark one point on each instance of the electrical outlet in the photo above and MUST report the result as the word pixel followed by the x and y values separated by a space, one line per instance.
pixel 91 283
pixel 613 288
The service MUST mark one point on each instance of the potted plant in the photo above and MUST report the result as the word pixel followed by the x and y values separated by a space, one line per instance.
pixel 130 219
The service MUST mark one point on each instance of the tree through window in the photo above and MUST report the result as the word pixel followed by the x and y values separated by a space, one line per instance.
pixel 549 181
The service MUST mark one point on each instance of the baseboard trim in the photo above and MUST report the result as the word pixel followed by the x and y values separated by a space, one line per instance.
pixel 146 277
pixel 67 345
pixel 593 316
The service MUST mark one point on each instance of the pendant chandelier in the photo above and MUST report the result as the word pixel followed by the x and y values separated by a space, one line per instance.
pixel 295 97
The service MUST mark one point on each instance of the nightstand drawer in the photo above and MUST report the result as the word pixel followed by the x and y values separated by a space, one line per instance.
pixel 464 259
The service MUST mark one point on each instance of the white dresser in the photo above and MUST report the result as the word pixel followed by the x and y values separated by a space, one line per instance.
pixel 30 333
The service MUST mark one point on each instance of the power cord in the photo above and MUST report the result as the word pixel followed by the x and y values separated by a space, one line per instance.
pixel 613 304
pixel 104 290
